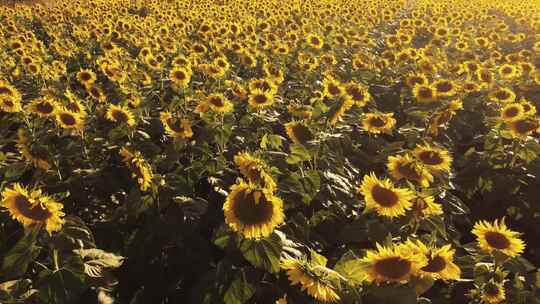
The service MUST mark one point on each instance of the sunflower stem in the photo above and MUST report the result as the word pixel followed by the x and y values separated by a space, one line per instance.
pixel 55 260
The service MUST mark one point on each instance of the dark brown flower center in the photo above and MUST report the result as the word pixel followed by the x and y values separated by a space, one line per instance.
pixel 35 212
pixel 251 212
pixel 507 70
pixel 260 99
pixel 502 95
pixel 333 89
pixel 176 126
pixel 524 126
pixel 511 112
pixel 68 119
pixel 179 75
pixel 425 93
pixel 377 122
pixel 44 108
pixel 431 158
pixel 491 290
pixel 497 240
pixel 8 103
pixel 302 133
pixel 356 93
pixel 393 268
pixel 384 197
pixel 435 264
pixel 85 76
pixel 315 41
pixel 217 101
pixel 408 170
pixel 119 116
pixel 444 87
pixel 5 91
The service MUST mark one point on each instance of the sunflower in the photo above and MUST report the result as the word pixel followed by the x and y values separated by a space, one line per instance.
pixel 10 98
pixel 502 95
pixel 69 120
pixel 511 112
pixel 252 212
pixel 416 79
pixel 120 114
pixel 312 278
pixel 86 77
pixel 523 127
pixel 44 107
pixel 440 261
pixel 96 93
pixel 497 237
pixel 425 206
pixel 315 41
pixel 509 71
pixel 31 207
pixel 424 93
pixel 298 132
pixel 445 88
pixel 180 76
pixel 394 263
pixel 259 98
pixel 262 84
pixel 358 94
pixel 384 197
pixel 434 158
pixel 139 168
pixel 404 166
pixel 218 103
pixel 175 128
pixel 255 170
pixel 377 123
pixel 343 105
pixel 23 145
pixel 332 87
pixel 493 293
pixel 528 107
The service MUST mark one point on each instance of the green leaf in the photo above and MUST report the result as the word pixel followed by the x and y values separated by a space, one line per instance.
pixel 62 286
pixel 17 259
pixel 317 259
pixel 274 141
pixel 239 291
pixel 351 268
pixel 97 260
pixel 263 253
pixel 298 154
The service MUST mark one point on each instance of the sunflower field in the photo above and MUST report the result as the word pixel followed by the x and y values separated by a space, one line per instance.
pixel 270 151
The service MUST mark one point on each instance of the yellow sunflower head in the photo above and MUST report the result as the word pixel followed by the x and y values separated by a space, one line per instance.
pixel 180 76
pixel 69 120
pixel 315 279
pixel 424 93
pixel 252 212
pixel 392 264
pixel 497 237
pixel 259 98
pixel 512 112
pixel 139 168
pixel 521 128
pixel 120 114
pixel 332 87
pixel 255 170
pixel 425 206
pixel 406 167
pixel 493 293
pixel 175 128
pixel 434 158
pixel 298 132
pixel 86 77
pixel 440 261
pixel 377 123
pixel 383 197
pixel 358 94
pixel 416 79
pixel 502 95
pixel 31 207
pixel 315 41
pixel 219 103
pixel 44 107
pixel 445 88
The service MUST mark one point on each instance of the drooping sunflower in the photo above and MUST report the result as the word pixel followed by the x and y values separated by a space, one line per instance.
pixel 512 112
pixel 395 263
pixel 255 170
pixel 30 155
pixel 493 293
pixel 44 107
pixel 523 127
pixel 120 114
pixel 260 99
pixel 298 132
pixel 434 158
pixel 139 168
pixel 440 260
pixel 497 237
pixel 425 206
pixel 358 94
pixel 175 128
pixel 383 197
pixel 311 278
pixel 404 166
pixel 69 120
pixel 251 211
pixel 31 207
pixel 424 93
pixel 180 76
pixel 377 123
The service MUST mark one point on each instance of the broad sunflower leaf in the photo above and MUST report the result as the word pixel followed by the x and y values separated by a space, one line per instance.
pixel 240 291
pixel 18 258
pixel 263 253
pixel 350 267
pixel 96 260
